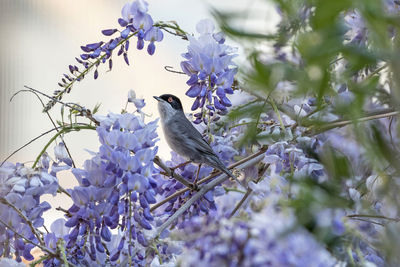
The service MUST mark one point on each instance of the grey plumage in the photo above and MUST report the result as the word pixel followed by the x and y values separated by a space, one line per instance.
pixel 183 137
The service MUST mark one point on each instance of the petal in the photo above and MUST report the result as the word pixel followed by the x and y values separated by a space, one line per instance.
pixel 205 26
pixel 151 48
pixel 194 90
pixel 125 33
pixel 109 32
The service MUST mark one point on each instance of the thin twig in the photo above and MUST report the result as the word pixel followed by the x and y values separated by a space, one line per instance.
pixel 240 203
pixel 174 26
pixel 248 192
pixel 234 189
pixel 52 98
pixel 40 260
pixel 373 216
pixel 368 221
pixel 25 145
pixel 342 123
pixel 62 190
pixel 177 193
pixel 335 60
pixel 172 173
pixel 376 71
pixel 278 114
pixel 34 139
pixel 203 190
pixel 82 110
pixel 67 213
pixel 82 74
pixel 64 130
pixel 170 69
pixel 28 222
pixel 42 247
pixel 50 118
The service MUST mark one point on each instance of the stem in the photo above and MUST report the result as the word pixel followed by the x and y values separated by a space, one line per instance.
pixel 83 73
pixel 130 225
pixel 228 189
pixel 64 130
pixel 25 145
pixel 278 114
pixel 82 110
pixel 172 173
pixel 170 69
pixel 52 98
pixel 27 240
pixel 372 216
pixel 376 71
pixel 62 251
pixel 368 221
pixel 267 123
pixel 240 203
pixel 335 60
pixel 341 123
pixel 248 192
pixel 158 254
pixel 62 190
pixel 33 264
pixel 50 118
pixel 175 26
pixel 350 255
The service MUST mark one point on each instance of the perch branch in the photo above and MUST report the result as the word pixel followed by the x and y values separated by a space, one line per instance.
pixel 203 190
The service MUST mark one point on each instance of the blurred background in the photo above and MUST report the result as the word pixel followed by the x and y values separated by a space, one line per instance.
pixel 40 38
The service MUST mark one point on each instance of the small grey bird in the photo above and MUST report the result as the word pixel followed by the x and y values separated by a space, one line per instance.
pixel 183 138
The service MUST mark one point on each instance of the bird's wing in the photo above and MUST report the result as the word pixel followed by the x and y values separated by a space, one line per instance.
pixel 187 130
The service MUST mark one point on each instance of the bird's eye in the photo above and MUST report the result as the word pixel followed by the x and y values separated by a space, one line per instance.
pixel 170 99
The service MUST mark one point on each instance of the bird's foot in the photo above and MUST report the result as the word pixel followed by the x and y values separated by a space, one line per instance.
pixel 195 187
pixel 197 176
pixel 180 165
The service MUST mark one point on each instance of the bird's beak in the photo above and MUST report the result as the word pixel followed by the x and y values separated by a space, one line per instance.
pixel 157 98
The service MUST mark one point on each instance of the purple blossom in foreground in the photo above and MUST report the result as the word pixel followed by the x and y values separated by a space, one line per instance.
pixel 22 187
pixel 259 240
pixel 211 70
pixel 116 188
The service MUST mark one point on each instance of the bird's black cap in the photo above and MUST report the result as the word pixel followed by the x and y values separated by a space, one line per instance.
pixel 172 100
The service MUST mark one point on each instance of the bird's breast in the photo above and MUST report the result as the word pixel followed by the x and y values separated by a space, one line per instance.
pixel 176 140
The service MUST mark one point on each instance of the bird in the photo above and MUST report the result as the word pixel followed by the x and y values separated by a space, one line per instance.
pixel 184 138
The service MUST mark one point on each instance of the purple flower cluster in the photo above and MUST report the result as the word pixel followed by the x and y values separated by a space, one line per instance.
pixel 115 190
pixel 357 33
pixel 369 234
pixel 289 159
pixel 21 187
pixel 135 22
pixel 259 240
pixel 209 65
pixel 136 19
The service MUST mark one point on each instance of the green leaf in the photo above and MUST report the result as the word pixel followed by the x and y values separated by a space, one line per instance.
pixel 96 108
